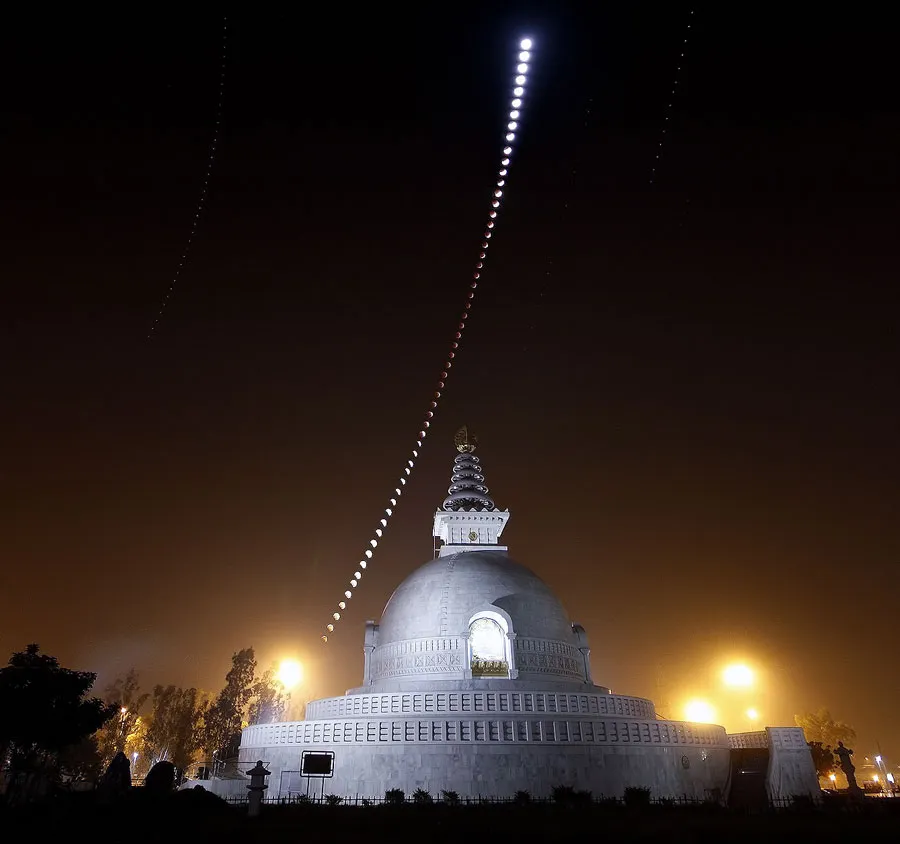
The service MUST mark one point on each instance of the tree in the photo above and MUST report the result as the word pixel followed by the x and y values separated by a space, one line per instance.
pixel 119 732
pixel 225 717
pixel 822 758
pixel 81 762
pixel 822 728
pixel 43 710
pixel 175 726
pixel 268 701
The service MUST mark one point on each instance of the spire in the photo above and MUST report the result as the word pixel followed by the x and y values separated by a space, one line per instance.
pixel 468 520
pixel 467 489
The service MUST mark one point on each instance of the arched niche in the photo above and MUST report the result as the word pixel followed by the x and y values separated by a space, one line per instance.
pixel 490 651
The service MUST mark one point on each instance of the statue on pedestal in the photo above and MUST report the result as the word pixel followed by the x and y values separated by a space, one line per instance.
pixel 844 754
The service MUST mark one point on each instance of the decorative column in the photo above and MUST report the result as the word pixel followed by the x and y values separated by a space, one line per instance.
pixel 581 642
pixel 369 643
pixel 257 787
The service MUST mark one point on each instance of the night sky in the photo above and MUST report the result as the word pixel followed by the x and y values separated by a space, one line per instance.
pixel 685 392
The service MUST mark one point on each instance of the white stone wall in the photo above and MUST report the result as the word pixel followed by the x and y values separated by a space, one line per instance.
pixel 497 756
pixel 446 657
pixel 451 703
pixel 792 771
pixel 498 770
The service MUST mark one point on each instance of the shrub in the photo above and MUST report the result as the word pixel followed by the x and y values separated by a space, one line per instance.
pixel 394 797
pixel 636 795
pixel 421 797
pixel 523 797
pixel 450 797
pixel 333 799
pixel 564 794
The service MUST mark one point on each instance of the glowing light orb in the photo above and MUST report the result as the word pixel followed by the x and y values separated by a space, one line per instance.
pixel 510 137
pixel 512 125
pixel 522 68
pixel 348 594
pixel 752 714
pixel 342 605
pixel 514 114
pixel 700 712
pixel 738 675
pixel 290 672
pixel 516 103
pixel 524 56
pixel 362 564
pixel 357 575
pixel 525 44
pixel 518 91
pixel 520 80
pixel 354 582
pixel 336 616
pixel 329 628
pixel 507 151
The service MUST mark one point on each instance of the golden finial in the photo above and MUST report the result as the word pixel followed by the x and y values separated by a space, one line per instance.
pixel 464 442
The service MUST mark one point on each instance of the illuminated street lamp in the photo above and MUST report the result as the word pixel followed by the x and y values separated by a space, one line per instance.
pixel 833 779
pixel 738 675
pixel 700 712
pixel 290 673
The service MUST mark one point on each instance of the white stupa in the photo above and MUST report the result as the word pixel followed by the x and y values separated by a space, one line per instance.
pixel 476 681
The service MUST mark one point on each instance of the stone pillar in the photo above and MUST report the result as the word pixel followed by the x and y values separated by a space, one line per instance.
pixel 581 642
pixel 511 656
pixel 257 787
pixel 371 639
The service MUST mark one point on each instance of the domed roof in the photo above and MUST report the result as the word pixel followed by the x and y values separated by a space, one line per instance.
pixel 440 598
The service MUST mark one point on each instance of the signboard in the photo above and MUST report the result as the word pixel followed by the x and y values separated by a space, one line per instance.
pixel 317 763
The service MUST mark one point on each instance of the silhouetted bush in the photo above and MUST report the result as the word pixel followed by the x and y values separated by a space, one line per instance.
pixel 523 797
pixel 451 798
pixel 333 799
pixel 421 797
pixel 563 794
pixel 160 779
pixel 637 796
pixel 394 797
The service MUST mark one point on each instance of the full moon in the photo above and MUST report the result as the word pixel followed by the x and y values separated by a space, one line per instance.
pixel 290 673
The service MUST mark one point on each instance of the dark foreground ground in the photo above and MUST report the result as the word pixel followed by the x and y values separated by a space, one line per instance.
pixel 200 817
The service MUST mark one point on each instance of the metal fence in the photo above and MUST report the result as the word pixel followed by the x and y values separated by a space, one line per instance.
pixel 577 800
